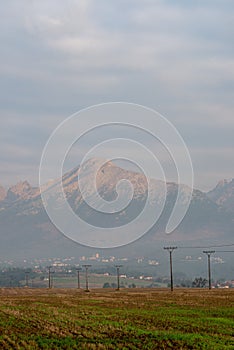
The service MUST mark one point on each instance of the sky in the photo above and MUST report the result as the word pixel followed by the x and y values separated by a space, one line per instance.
pixel 58 57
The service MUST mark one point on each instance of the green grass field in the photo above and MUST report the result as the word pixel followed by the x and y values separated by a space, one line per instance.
pixel 107 319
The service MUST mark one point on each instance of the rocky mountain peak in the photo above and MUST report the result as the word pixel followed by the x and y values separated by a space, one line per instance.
pixel 108 174
pixel 224 182
pixel 2 193
pixel 223 194
pixel 21 190
pixel 95 163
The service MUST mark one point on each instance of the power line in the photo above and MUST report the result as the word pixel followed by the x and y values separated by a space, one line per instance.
pixel 207 247
pixel 224 251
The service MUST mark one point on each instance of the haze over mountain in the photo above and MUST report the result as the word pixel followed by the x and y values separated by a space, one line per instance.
pixel 26 230
pixel 223 194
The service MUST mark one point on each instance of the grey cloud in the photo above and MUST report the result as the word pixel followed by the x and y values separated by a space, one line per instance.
pixel 60 56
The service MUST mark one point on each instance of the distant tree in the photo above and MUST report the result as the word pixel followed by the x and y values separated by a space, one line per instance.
pixel 14 277
pixel 186 284
pixel 106 285
pixel 199 282
pixel 159 279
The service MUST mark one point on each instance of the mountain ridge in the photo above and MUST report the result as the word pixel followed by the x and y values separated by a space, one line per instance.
pixel 24 221
pixel 223 194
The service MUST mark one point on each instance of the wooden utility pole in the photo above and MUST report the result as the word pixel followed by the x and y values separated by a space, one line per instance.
pixel 50 284
pixel 171 249
pixel 86 266
pixel 26 278
pixel 117 268
pixel 208 253
pixel 78 276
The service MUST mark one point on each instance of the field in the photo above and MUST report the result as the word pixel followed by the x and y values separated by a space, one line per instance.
pixel 108 319
pixel 95 281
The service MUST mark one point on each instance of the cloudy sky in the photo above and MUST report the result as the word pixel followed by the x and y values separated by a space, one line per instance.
pixel 60 56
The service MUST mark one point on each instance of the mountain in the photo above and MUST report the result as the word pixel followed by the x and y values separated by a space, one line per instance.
pixel 26 230
pixel 2 193
pixel 223 194
pixel 21 191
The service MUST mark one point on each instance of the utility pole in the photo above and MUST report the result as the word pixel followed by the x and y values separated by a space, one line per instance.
pixel 50 284
pixel 52 279
pixel 78 276
pixel 208 253
pixel 170 249
pixel 26 278
pixel 117 269
pixel 86 277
